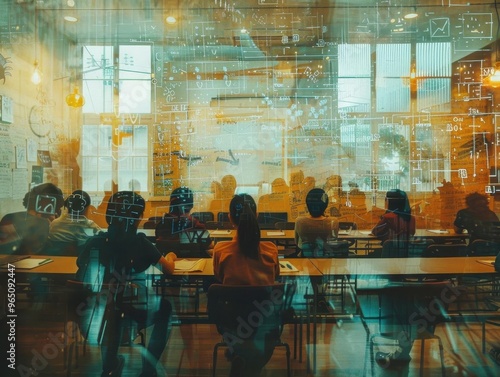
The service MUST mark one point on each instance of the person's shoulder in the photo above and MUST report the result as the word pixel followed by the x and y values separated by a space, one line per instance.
pixel 224 249
pixel 269 247
pixel 9 218
pixel 302 219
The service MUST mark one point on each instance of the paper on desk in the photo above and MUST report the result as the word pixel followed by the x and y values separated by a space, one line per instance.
pixel 287 267
pixel 367 232
pixel 28 264
pixel 190 265
pixel 221 232
pixel 490 263
pixel 275 233
pixel 438 231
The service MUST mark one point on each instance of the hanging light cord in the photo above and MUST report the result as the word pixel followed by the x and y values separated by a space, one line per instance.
pixel 497 52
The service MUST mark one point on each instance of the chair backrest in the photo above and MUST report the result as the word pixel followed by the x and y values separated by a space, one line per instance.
pixel 484 248
pixel 395 249
pixel 214 225
pixel 284 225
pixel 445 250
pixel 90 270
pixel 152 222
pixel 267 220
pixel 203 216
pixel 96 271
pixel 247 313
pixel 326 249
pixel 347 225
pixel 170 227
pixel 190 243
pixel 223 217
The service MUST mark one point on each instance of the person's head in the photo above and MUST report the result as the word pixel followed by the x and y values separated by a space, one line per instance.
pixel 77 203
pixel 316 202
pixel 134 185
pixel 124 211
pixel 279 186
pixel 476 200
pixel 181 201
pixel 44 200
pixel 397 201
pixel 334 181
pixel 243 214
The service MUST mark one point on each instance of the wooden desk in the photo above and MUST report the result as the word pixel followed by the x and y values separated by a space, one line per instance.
pixel 265 235
pixel 304 266
pixel 438 234
pixel 454 266
pixel 60 267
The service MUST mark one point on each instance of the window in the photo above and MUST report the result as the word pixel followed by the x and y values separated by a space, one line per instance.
pixel 354 81
pixel 130 80
pixel 393 73
pixel 118 153
pixel 433 75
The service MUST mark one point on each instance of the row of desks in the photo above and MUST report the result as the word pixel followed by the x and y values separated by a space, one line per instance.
pixel 455 266
pixel 289 235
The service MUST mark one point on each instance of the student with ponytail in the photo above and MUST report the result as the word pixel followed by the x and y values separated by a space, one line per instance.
pixel 245 260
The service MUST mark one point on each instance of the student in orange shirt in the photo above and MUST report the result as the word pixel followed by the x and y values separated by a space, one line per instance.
pixel 246 260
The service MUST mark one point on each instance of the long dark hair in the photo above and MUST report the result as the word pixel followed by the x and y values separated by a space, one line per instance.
pixel 397 202
pixel 243 211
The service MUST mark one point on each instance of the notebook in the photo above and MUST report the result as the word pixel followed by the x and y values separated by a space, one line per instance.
pixel 30 263
pixel 438 231
pixel 190 265
pixel 275 233
pixel 220 232
pixel 487 262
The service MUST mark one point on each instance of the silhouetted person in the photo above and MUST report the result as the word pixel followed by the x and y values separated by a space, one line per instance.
pixel 125 255
pixel 72 229
pixel 312 233
pixel 476 218
pixel 26 232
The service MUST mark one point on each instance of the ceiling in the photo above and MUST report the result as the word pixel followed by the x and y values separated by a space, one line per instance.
pixel 298 29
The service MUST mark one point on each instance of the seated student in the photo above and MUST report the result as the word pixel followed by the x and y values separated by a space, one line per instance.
pixel 72 229
pixel 178 217
pixel 475 217
pixel 246 260
pixel 312 233
pixel 28 230
pixel 397 223
pixel 179 227
pixel 126 255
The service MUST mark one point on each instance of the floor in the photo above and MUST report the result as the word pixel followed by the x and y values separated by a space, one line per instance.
pixel 340 348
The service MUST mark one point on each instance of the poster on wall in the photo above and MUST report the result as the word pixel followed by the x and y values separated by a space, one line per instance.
pixel 5 180
pixel 31 149
pixel 6 112
pixel 36 175
pixel 21 161
pixel 44 159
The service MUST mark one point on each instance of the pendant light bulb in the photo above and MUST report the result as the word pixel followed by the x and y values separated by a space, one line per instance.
pixel 36 76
